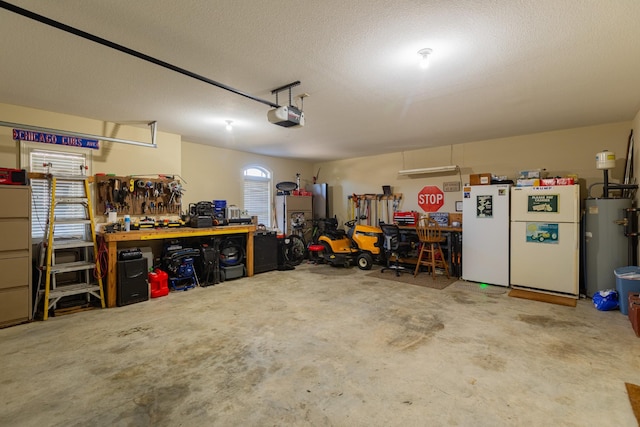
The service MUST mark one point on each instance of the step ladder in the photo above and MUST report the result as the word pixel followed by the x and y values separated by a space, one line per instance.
pixel 49 290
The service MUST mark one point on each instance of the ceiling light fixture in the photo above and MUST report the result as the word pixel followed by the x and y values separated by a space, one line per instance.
pixel 229 127
pixel 421 171
pixel 424 61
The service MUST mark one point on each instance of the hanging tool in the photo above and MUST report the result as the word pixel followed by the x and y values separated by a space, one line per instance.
pixel 388 210
pixel 368 200
pixel 356 205
pixel 115 190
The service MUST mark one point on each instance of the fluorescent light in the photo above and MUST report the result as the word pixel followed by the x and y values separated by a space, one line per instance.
pixel 437 169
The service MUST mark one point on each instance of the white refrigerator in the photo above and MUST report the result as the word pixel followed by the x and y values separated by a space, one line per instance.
pixel 485 234
pixel 545 230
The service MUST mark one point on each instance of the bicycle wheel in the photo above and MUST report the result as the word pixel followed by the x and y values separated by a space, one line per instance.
pixel 295 251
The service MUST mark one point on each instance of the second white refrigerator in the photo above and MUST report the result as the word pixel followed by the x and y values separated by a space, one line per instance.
pixel 545 238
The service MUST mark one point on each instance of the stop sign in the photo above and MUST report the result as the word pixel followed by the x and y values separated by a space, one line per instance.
pixel 431 198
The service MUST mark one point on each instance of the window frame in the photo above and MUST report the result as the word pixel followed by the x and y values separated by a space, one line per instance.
pixel 266 177
pixel 40 206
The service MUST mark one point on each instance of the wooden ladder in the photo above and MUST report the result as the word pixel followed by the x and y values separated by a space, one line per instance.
pixel 49 291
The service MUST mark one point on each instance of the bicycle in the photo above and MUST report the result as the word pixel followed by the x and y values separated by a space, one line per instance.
pixel 296 249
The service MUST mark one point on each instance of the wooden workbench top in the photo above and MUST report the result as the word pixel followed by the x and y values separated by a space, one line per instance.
pixel 177 232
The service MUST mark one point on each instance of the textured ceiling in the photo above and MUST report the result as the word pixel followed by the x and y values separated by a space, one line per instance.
pixel 499 68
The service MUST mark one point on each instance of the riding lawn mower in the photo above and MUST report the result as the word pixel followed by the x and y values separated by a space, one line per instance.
pixel 360 243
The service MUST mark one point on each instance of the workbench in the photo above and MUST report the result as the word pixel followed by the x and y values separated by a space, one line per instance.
pixel 112 240
pixel 452 247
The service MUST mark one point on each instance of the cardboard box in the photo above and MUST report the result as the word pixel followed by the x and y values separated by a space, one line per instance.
pixel 455 217
pixel 528 183
pixel 556 181
pixel 565 181
pixel 480 179
pixel 533 174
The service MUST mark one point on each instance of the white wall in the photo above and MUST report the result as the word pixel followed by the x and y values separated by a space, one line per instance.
pixel 120 159
pixel 215 173
pixel 569 151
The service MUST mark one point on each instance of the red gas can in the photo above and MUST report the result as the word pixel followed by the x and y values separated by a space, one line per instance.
pixel 159 281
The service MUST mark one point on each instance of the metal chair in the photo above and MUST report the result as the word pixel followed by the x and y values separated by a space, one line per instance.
pixel 431 255
pixel 394 247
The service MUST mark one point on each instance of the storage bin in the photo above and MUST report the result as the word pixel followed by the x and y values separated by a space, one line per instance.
pixel 627 280
pixel 232 272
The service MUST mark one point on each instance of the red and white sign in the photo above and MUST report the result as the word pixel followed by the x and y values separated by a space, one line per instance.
pixel 431 198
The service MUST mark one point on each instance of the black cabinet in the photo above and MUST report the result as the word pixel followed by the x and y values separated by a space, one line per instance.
pixel 265 251
pixel 132 281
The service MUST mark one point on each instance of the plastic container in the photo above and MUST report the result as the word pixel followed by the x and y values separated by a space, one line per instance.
pixel 127 223
pixel 159 283
pixel 606 160
pixel 627 280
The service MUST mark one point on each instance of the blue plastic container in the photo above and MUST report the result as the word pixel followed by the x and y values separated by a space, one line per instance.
pixel 219 208
pixel 627 280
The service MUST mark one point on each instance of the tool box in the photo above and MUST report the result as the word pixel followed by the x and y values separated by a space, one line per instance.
pixel 406 218
pixel 13 176
pixel 201 221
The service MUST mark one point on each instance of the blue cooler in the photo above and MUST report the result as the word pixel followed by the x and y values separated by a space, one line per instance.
pixel 627 280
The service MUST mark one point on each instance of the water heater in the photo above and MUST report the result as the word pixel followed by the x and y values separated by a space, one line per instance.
pixel 606 246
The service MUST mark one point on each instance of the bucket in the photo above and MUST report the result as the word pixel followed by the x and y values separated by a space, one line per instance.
pixel 605 160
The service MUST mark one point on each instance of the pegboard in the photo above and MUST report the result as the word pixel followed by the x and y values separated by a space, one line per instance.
pixel 135 195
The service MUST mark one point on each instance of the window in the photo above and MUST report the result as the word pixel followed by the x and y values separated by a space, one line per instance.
pixel 60 163
pixel 257 194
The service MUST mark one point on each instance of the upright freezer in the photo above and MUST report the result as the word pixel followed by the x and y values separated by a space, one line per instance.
pixel 545 238
pixel 485 234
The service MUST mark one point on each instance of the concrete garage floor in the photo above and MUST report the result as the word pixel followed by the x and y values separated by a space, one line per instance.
pixel 322 346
